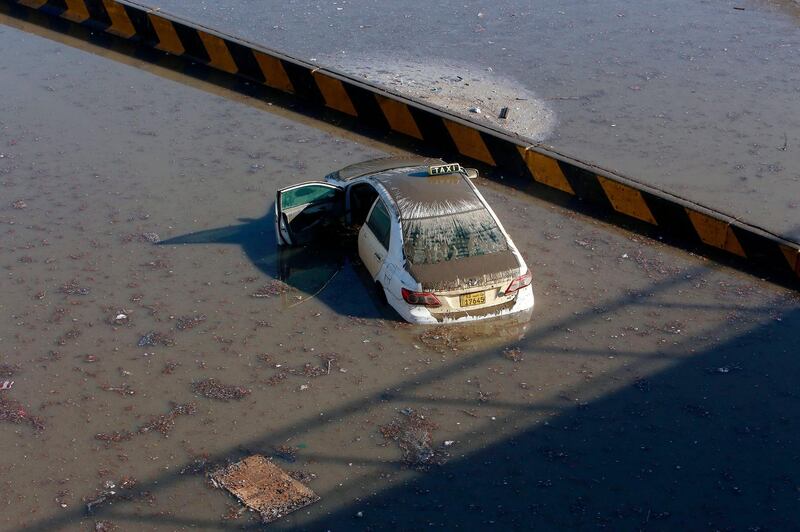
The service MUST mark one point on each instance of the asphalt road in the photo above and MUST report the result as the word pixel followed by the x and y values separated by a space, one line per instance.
pixel 697 98
pixel 651 389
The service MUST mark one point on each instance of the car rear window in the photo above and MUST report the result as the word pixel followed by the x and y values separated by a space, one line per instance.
pixel 443 238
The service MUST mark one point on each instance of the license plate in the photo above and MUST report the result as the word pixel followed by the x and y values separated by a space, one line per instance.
pixel 474 298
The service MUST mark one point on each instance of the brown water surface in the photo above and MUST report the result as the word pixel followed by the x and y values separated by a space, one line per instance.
pixel 644 375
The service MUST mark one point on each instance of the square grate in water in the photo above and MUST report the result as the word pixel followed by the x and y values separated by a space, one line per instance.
pixel 264 487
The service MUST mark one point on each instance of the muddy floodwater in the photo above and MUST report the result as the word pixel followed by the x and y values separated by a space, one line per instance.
pixel 697 98
pixel 153 333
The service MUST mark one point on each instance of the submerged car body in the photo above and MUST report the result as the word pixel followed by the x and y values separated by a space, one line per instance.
pixel 429 240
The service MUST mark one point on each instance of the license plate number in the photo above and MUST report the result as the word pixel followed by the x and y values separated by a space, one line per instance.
pixel 471 299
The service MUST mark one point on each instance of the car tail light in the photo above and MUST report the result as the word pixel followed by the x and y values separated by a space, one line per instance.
pixel 427 299
pixel 520 282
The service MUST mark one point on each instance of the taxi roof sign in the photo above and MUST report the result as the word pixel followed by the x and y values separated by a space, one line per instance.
pixel 442 169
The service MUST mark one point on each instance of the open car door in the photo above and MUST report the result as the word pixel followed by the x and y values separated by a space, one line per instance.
pixel 304 211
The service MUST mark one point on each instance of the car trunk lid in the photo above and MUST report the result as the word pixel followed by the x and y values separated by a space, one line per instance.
pixel 468 273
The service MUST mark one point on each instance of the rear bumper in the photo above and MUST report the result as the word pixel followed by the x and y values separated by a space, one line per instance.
pixel 418 314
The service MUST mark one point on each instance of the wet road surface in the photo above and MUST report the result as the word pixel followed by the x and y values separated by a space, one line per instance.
pixel 650 389
pixel 696 98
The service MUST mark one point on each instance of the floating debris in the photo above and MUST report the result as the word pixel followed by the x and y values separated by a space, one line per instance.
pixel 484 396
pixel 12 411
pixel 19 204
pixel 121 318
pixel 276 379
pixel 124 389
pixel 287 453
pixel 213 389
pixel 8 370
pixel 115 437
pixel 69 335
pixel 302 476
pixel 158 264
pixel 121 491
pixel 156 338
pixel 152 238
pixel 310 370
pixel 444 338
pixel 697 411
pixel 264 487
pixel 170 367
pixel 513 354
pixel 271 289
pixel 642 384
pixel 164 423
pixel 105 526
pixel 413 434
pixel 233 512
pixel 72 288
pixel 189 322
pixel 197 466
pixel 723 370
pixel 330 360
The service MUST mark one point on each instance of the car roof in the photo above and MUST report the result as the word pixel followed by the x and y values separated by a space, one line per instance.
pixel 419 195
pixel 372 166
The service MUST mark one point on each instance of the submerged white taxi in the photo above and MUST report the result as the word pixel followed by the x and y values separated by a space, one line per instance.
pixel 429 240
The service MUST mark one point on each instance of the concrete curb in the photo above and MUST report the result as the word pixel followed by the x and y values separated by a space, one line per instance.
pixel 384 110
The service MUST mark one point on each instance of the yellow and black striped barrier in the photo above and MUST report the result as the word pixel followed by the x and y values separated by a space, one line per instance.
pixel 446 133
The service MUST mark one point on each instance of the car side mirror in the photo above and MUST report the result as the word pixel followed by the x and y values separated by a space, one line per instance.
pixel 472 173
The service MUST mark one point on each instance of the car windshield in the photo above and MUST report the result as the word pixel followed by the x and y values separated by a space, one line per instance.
pixel 442 238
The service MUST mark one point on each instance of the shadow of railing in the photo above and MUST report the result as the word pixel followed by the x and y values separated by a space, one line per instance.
pixel 693 446
pixel 710 443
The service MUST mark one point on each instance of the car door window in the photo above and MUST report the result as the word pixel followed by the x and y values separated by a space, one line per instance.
pixel 307 194
pixel 306 211
pixel 380 223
